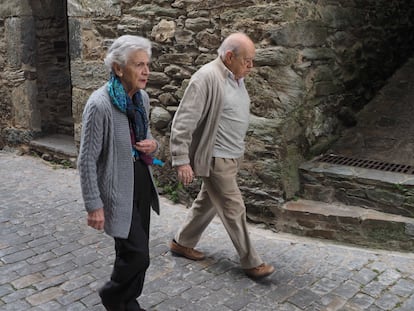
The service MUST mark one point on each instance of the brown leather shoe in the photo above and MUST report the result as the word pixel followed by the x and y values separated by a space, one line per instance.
pixel 186 252
pixel 260 271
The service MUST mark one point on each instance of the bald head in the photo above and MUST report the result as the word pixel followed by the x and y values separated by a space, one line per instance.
pixel 235 43
pixel 237 53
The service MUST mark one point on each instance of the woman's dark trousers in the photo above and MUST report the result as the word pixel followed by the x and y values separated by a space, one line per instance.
pixel 132 254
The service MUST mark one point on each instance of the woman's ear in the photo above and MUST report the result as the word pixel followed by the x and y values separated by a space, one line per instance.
pixel 117 69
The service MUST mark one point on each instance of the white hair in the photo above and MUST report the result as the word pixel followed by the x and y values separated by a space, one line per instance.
pixel 232 43
pixel 123 46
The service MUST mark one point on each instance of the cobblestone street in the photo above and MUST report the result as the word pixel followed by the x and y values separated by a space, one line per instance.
pixel 50 259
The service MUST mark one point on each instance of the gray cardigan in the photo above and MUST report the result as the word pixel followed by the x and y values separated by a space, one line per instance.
pixel 105 162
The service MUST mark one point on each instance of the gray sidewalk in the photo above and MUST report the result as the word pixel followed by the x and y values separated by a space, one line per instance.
pixel 50 260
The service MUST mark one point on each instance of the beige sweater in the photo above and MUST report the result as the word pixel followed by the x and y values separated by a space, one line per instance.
pixel 195 123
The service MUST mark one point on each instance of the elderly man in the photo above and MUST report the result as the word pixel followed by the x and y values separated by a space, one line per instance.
pixel 207 140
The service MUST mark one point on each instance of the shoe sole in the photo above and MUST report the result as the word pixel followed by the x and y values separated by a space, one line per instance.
pixel 182 255
pixel 256 277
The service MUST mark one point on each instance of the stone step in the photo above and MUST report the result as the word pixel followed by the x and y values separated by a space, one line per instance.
pixel 55 147
pixel 347 224
pixel 384 191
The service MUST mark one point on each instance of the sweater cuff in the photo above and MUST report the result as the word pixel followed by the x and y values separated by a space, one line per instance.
pixel 180 160
pixel 93 205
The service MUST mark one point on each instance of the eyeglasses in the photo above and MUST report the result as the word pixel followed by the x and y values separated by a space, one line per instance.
pixel 246 60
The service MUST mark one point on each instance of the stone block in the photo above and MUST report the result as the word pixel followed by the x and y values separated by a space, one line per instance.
pixel 383 231
pixel 318 193
pixel 75 38
pixel 44 296
pixel 15 8
pixel 307 34
pixel 93 8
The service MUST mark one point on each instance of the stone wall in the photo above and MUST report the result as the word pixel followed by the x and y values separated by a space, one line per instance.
pixel 318 62
pixel 35 87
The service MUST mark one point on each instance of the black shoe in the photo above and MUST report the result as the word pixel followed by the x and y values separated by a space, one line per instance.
pixel 110 306
pixel 133 306
pixel 113 307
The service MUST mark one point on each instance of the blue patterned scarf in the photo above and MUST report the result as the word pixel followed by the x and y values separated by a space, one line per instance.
pixel 134 109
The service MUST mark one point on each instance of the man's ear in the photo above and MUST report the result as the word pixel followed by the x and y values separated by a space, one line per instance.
pixel 229 57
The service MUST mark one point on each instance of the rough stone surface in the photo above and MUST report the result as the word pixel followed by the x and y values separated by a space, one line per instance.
pixel 382 138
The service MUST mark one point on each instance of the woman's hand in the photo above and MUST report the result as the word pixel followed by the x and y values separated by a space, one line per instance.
pixel 146 146
pixel 96 219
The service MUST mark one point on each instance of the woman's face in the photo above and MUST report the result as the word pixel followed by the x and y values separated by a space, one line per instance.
pixel 134 75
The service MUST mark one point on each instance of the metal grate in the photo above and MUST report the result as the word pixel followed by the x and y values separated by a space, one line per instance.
pixel 371 164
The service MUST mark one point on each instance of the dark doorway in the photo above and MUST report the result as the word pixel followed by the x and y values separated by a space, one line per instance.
pixel 54 98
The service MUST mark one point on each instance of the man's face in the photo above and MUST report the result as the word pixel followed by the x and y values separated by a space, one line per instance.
pixel 242 63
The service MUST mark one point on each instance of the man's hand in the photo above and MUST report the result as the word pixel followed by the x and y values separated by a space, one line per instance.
pixel 96 219
pixel 185 174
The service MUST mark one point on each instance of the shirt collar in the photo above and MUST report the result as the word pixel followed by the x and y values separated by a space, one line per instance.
pixel 230 75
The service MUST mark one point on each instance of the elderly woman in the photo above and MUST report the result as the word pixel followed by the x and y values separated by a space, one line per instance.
pixel 116 180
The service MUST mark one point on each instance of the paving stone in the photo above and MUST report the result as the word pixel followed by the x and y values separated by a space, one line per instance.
pixel 91 299
pixel 62 268
pixel 17 295
pixel 287 307
pixel 324 286
pixel 65 249
pixel 259 306
pixel 31 269
pixel 45 256
pixel 5 290
pixel 403 288
pixel 40 241
pixel 77 306
pixel 407 305
pixel 155 298
pixel 388 301
pixel 45 248
pixel 53 281
pixel 303 281
pixel 194 293
pixel 364 276
pixel 27 280
pixel 348 289
pixel 303 298
pixel 76 283
pixel 240 301
pixel 389 277
pixel 333 302
pixel 18 256
pixel 362 301
pixel 44 296
pixel 374 289
pixel 60 260
pixel 16 306
pixel 49 306
pixel 75 295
